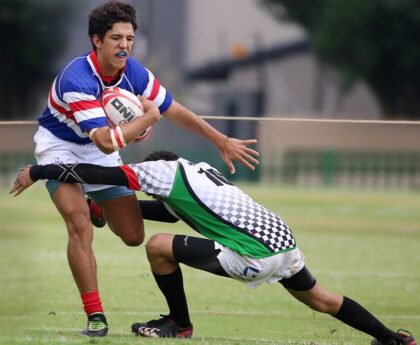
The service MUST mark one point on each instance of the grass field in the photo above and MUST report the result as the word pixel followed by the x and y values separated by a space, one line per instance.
pixel 363 244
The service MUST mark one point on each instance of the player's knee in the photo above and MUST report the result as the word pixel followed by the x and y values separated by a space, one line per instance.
pixel 78 225
pixel 133 239
pixel 153 246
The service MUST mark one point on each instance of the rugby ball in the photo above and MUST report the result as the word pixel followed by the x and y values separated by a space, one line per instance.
pixel 122 106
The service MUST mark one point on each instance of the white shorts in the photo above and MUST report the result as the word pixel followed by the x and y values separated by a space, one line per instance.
pixel 52 150
pixel 254 272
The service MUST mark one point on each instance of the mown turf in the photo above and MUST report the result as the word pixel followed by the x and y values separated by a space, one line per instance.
pixel 363 244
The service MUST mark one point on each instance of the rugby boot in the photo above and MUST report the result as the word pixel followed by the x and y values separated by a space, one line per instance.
pixel 97 326
pixel 161 328
pixel 406 339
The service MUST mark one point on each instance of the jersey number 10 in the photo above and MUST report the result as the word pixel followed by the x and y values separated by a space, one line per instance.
pixel 213 175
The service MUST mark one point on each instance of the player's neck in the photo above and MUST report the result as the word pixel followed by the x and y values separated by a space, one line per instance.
pixel 107 72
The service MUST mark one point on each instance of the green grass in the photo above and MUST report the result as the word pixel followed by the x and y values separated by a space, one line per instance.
pixel 363 244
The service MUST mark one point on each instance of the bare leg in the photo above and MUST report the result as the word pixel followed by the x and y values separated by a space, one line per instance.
pixel 319 299
pixel 160 255
pixel 124 217
pixel 71 203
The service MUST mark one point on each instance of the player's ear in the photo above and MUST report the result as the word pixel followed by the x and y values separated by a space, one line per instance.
pixel 96 40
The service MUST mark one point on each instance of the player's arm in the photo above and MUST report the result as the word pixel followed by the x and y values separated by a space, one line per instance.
pixel 230 148
pixel 75 173
pixel 93 174
pixel 156 211
pixel 106 138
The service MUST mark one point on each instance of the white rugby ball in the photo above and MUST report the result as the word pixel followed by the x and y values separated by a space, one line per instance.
pixel 122 106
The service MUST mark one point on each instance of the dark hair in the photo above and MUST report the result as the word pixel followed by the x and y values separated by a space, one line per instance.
pixel 161 155
pixel 104 16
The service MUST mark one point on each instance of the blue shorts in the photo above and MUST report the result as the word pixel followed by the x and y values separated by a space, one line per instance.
pixel 97 196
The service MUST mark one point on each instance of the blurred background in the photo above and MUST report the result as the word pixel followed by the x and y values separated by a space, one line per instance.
pixel 276 61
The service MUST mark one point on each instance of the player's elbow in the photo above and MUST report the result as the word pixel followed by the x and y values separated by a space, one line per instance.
pixel 102 140
pixel 105 147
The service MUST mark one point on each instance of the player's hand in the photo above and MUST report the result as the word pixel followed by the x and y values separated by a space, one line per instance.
pixel 150 108
pixel 23 181
pixel 235 149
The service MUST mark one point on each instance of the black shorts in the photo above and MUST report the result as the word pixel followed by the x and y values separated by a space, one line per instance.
pixel 200 253
pixel 301 281
pixel 197 253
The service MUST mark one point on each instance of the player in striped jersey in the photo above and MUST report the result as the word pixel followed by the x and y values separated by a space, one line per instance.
pixel 73 129
pixel 245 241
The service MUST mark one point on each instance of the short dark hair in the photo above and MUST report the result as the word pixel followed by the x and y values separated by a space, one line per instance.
pixel 104 16
pixel 161 155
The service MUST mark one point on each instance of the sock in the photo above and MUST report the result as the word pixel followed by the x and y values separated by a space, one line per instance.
pixel 172 287
pixel 92 302
pixel 95 209
pixel 354 315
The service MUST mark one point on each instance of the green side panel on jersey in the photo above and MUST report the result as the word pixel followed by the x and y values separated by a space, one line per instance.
pixel 184 204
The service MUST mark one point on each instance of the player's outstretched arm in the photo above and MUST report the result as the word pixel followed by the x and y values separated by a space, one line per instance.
pixel 75 173
pixel 231 149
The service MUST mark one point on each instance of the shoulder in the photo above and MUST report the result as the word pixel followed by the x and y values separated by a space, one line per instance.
pixel 136 72
pixel 143 82
pixel 77 75
pixel 137 75
pixel 133 67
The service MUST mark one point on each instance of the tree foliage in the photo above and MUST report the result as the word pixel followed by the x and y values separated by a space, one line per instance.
pixel 373 40
pixel 33 36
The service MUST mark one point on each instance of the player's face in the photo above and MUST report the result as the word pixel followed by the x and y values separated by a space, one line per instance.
pixel 113 50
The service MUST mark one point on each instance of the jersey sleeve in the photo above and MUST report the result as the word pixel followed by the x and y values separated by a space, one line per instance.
pixel 87 174
pixel 157 93
pixel 156 177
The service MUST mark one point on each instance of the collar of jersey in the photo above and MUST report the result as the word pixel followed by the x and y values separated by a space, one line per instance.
pixel 93 59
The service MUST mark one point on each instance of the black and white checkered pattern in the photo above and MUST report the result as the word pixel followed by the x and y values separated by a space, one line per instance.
pixel 226 201
pixel 238 209
pixel 156 177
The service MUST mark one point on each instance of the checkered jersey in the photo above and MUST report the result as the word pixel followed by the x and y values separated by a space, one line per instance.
pixel 236 208
pixel 156 177
pixel 204 199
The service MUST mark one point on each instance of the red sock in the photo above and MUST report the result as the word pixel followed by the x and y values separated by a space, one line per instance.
pixel 92 302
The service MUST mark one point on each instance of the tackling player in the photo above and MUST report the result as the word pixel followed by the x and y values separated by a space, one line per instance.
pixel 73 129
pixel 245 241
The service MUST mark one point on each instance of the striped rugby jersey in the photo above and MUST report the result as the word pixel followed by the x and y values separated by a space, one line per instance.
pixel 203 198
pixel 73 106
